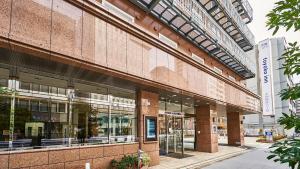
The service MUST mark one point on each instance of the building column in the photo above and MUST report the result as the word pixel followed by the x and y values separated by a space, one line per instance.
pixel 206 129
pixel 148 106
pixel 235 129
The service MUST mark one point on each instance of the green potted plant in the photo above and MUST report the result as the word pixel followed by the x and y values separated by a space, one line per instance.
pixel 145 161
pixel 131 162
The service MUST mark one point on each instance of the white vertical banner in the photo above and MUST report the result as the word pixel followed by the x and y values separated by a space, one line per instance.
pixel 265 70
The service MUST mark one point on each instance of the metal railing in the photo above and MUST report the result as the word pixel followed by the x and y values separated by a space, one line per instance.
pixel 194 10
pixel 248 8
pixel 233 14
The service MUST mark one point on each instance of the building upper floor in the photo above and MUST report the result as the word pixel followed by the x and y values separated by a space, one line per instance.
pixel 100 36
pixel 214 26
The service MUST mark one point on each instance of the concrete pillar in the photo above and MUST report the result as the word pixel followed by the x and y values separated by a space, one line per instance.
pixel 148 106
pixel 206 131
pixel 235 129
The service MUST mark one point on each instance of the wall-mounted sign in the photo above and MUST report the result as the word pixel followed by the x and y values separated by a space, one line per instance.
pixel 265 70
pixel 178 114
pixel 150 128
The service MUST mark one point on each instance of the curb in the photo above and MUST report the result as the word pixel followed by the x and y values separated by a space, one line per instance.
pixel 205 163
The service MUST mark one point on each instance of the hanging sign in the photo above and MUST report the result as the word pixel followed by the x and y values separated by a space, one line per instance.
pixel 265 70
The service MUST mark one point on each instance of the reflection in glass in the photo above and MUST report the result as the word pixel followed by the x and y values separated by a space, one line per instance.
pixel 37 123
pixel 4 121
pixel 90 123
pixel 122 124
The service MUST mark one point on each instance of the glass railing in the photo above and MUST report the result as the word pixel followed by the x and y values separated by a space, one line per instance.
pixel 194 10
pixel 233 14
pixel 248 8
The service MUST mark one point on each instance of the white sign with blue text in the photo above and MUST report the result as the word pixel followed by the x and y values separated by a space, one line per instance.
pixel 265 68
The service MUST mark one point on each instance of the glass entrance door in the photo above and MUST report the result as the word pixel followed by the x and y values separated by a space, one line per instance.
pixel 174 134
pixel 170 134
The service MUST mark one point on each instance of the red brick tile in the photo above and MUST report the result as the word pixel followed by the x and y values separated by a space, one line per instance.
pixel 91 152
pixel 3 161
pixel 58 156
pixel 19 160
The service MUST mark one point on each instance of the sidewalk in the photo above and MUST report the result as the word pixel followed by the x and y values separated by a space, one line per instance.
pixel 197 159
pixel 200 159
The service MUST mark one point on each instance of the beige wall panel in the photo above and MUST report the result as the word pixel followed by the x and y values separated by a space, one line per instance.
pixel 5 9
pixel 31 22
pixel 116 48
pixel 88 38
pixel 178 73
pixel 66 37
pixel 162 67
pixel 174 76
pixel 100 42
pixel 134 56
pixel 149 61
pixel 192 84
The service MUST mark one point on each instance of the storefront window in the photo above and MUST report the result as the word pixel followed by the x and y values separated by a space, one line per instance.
pixel 90 123
pixel 122 124
pixel 38 124
pixel 4 122
pixel 45 116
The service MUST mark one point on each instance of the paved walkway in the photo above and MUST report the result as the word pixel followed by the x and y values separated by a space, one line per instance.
pixel 196 159
pixel 256 159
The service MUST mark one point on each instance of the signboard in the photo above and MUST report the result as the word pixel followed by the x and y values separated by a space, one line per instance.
pixel 151 128
pixel 178 114
pixel 269 135
pixel 265 70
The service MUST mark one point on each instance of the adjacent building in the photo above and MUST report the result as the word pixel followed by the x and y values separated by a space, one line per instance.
pixel 91 81
pixel 298 107
pixel 269 83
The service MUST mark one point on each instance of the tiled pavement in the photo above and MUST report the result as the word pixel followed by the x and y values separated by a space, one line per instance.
pixel 197 159
pixel 200 159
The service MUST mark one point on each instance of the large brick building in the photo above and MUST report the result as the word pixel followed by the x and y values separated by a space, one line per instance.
pixel 90 81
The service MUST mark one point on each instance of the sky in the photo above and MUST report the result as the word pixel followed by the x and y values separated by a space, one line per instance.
pixel 258 25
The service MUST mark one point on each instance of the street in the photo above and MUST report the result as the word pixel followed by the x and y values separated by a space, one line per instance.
pixel 255 159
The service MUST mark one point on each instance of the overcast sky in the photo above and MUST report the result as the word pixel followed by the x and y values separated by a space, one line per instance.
pixel 258 25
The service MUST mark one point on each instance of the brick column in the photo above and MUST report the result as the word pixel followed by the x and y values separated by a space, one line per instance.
pixel 235 129
pixel 206 138
pixel 148 105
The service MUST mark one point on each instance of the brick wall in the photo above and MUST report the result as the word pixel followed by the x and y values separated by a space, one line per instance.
pixel 99 157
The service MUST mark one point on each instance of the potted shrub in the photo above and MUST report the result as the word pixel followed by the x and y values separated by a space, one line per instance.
pixel 131 162
pixel 145 161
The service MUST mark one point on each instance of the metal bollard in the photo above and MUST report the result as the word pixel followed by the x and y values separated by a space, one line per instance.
pixel 140 152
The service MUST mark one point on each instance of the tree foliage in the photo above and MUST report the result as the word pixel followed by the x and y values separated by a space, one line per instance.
pixel 286 15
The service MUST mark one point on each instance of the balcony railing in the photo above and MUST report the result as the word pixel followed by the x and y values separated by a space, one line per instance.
pixel 230 20
pixel 188 18
pixel 244 9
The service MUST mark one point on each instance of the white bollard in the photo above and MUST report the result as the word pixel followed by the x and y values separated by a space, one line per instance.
pixel 87 166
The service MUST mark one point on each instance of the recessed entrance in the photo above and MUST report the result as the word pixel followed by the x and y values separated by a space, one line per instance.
pixel 176 125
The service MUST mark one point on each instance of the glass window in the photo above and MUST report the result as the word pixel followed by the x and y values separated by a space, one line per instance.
pixel 24 85
pixel 90 123
pixel 4 122
pixel 3 82
pixel 38 127
pixel 53 90
pixel 82 94
pixel 62 107
pixel 122 125
pixel 53 107
pixel 43 106
pixel 44 89
pixel 35 87
pixel 23 104
pixel 34 106
pixel 61 91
